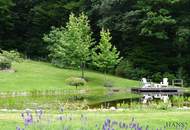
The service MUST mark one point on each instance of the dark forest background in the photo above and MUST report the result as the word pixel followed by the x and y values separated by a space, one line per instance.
pixel 153 36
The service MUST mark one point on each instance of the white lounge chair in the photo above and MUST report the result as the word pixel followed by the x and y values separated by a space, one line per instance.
pixel 145 83
pixel 164 83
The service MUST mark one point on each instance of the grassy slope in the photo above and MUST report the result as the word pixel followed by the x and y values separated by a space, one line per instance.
pixel 32 75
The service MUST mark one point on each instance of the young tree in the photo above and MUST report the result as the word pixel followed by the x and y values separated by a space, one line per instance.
pixel 83 41
pixel 70 46
pixel 105 56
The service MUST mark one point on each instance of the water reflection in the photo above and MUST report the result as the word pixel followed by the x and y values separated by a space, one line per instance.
pixel 145 98
pixel 149 97
pixel 163 96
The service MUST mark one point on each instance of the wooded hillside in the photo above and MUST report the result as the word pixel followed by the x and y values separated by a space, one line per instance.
pixel 153 36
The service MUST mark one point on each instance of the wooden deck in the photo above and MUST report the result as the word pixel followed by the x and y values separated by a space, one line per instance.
pixel 163 89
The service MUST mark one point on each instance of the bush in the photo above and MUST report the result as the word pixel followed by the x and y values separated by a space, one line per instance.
pixel 157 77
pixel 5 63
pixel 163 106
pixel 74 81
pixel 7 57
pixel 108 83
pixel 178 101
pixel 169 76
pixel 12 55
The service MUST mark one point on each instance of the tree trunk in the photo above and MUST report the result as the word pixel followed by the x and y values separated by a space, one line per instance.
pixel 82 69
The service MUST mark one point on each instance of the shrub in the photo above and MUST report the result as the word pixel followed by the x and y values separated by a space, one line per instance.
pixel 74 81
pixel 108 83
pixel 163 106
pixel 5 63
pixel 169 76
pixel 12 55
pixel 7 57
pixel 178 101
pixel 157 77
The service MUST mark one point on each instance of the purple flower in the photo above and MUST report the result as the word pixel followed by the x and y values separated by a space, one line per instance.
pixel 18 128
pixel 108 121
pixel 104 127
pixel 28 120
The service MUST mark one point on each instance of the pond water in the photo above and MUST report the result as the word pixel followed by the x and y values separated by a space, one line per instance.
pixel 148 97
pixel 54 100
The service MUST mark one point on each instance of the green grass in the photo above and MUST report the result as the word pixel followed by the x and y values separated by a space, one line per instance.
pixel 31 75
pixel 155 119
pixel 37 78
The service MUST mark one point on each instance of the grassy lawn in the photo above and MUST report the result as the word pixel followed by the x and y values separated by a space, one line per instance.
pixel 155 119
pixel 48 90
pixel 33 75
pixel 40 78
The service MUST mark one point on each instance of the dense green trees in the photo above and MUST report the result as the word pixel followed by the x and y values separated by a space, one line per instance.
pixel 24 22
pixel 153 36
pixel 147 33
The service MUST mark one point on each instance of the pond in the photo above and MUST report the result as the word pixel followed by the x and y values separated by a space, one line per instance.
pixel 145 98
pixel 53 99
pixel 83 100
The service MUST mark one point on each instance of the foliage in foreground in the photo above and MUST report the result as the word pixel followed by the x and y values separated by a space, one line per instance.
pixel 68 121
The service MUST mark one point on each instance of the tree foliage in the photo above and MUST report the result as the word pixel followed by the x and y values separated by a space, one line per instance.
pixel 105 56
pixel 153 35
pixel 70 46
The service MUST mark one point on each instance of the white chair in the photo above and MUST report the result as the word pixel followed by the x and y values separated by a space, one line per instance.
pixel 145 83
pixel 164 83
